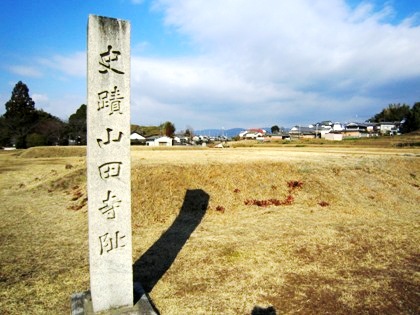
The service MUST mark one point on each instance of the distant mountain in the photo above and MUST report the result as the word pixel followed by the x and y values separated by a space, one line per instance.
pixel 219 132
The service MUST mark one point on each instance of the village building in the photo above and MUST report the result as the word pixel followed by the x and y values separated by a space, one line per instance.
pixel 159 142
pixel 136 138
pixel 252 134
pixel 301 132
pixel 389 128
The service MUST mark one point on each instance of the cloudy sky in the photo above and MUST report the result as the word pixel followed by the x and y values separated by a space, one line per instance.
pixel 223 63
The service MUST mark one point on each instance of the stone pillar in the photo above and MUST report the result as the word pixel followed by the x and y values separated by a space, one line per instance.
pixel 108 163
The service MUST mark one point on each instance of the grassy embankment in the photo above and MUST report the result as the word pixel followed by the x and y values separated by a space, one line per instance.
pixel 339 233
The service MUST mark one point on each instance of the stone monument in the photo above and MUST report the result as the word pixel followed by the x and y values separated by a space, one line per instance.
pixel 108 163
pixel 108 174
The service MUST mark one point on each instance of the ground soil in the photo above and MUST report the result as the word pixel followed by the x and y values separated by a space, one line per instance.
pixel 294 230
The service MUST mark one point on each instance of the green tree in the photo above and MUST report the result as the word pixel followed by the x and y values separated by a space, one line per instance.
pixel 394 112
pixel 50 128
pixel 77 127
pixel 168 129
pixel 20 116
pixel 5 133
pixel 35 140
pixel 188 133
pixel 412 122
pixel 275 129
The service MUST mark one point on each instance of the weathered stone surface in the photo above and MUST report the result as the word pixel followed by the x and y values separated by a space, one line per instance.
pixel 81 304
pixel 108 163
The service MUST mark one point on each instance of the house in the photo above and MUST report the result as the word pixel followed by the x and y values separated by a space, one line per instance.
pixel 243 133
pixel 181 140
pixel 136 138
pixel 389 128
pixel 326 124
pixel 359 130
pixel 252 133
pixel 337 126
pixel 159 142
pixel 200 139
pixel 303 132
pixel 322 128
pixel 355 126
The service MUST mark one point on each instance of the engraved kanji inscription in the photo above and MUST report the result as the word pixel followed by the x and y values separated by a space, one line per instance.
pixel 116 138
pixel 111 169
pixel 108 59
pixel 110 242
pixel 110 100
pixel 110 205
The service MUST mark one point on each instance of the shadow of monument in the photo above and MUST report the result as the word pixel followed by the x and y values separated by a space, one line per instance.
pixel 153 264
pixel 263 311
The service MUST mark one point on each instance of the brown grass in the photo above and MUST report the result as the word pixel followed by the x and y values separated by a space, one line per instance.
pixel 50 152
pixel 402 141
pixel 348 243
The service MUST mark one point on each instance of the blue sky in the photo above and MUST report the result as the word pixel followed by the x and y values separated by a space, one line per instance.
pixel 223 63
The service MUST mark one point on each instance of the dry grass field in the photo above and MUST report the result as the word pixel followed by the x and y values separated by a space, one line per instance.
pixel 299 230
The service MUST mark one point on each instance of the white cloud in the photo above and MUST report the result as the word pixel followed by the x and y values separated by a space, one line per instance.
pixel 262 63
pixel 40 98
pixel 73 65
pixel 189 90
pixel 26 71
pixel 296 39
pixel 140 47
pixel 271 58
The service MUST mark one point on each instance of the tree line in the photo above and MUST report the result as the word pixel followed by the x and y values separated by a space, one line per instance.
pixel 23 126
pixel 409 117
pixel 165 129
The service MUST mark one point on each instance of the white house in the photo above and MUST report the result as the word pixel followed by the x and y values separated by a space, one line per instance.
pixel 243 133
pixel 388 128
pixel 136 138
pixel 180 140
pixel 337 126
pixel 252 133
pixel 160 142
pixel 200 139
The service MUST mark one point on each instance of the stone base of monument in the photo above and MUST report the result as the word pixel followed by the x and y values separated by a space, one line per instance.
pixel 81 304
